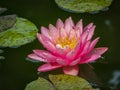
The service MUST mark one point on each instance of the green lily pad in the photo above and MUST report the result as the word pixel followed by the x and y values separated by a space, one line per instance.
pixel 2 10
pixel 7 22
pixel 67 82
pixel 40 84
pixel 80 6
pixel 21 33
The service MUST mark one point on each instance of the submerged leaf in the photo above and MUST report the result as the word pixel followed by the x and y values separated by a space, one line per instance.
pixel 7 22
pixel 80 6
pixel 21 33
pixel 40 84
pixel 2 10
pixel 87 72
pixel 1 51
pixel 67 82
pixel 1 57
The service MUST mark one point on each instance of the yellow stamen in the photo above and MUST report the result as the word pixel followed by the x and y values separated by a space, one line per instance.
pixel 71 42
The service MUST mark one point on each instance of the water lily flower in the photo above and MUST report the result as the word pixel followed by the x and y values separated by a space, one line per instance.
pixel 68 45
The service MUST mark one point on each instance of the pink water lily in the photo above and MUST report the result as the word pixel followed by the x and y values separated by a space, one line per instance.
pixel 68 45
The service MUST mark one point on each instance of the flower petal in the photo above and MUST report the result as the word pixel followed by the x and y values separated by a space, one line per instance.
pixel 93 43
pixel 46 43
pixel 48 67
pixel 46 55
pixel 59 24
pixel 91 33
pixel 71 70
pixel 79 28
pixel 54 33
pixel 45 32
pixel 100 50
pixel 88 26
pixel 74 62
pixel 35 57
pixel 90 58
pixel 68 25
pixel 71 55
pixel 93 55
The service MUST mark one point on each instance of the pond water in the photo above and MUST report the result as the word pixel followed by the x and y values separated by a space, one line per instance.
pixel 16 72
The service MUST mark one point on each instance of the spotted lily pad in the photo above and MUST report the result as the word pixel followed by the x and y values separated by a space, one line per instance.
pixel 40 84
pixel 7 22
pixel 21 33
pixel 80 6
pixel 67 82
pixel 2 10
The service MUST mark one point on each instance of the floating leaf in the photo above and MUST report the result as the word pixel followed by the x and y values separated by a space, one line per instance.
pixel 80 6
pixel 7 22
pixel 2 10
pixel 21 33
pixel 40 84
pixel 67 82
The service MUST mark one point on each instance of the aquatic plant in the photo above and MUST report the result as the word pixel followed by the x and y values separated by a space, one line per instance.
pixel 68 45
pixel 22 32
pixel 81 6
pixel 15 31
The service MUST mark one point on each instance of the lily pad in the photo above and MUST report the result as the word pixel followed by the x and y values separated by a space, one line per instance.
pixel 40 84
pixel 21 33
pixel 7 22
pixel 81 6
pixel 67 82
pixel 2 10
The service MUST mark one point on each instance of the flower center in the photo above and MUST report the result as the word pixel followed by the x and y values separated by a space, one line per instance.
pixel 67 42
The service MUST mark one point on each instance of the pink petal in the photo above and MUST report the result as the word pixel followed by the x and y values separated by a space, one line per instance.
pixel 85 48
pixel 74 62
pixel 88 26
pixel 45 32
pixel 71 70
pixel 46 55
pixel 35 57
pixel 54 33
pixel 68 25
pixel 94 54
pixel 72 54
pixel 79 28
pixel 91 58
pixel 59 24
pixel 91 32
pixel 46 43
pixel 62 33
pixel 84 36
pixel 93 43
pixel 100 50
pixel 48 67
pixel 61 61
pixel 72 34
pixel 62 51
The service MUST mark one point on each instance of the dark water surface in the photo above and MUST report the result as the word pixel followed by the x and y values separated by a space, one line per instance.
pixel 16 72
